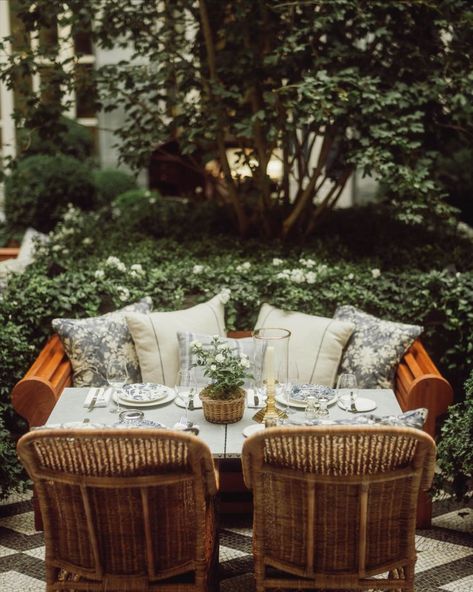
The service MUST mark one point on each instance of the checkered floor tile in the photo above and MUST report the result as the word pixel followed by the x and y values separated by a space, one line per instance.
pixel 445 552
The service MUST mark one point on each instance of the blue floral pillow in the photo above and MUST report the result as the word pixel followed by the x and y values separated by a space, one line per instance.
pixel 410 419
pixel 91 343
pixel 375 347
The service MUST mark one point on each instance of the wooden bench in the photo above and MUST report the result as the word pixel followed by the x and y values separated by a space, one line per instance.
pixel 418 383
pixel 8 253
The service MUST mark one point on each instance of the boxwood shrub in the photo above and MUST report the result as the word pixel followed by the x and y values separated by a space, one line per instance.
pixel 39 188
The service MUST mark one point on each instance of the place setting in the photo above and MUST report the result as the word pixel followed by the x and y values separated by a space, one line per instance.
pixel 347 396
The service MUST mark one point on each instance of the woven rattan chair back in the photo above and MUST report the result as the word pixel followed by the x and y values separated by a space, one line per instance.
pixel 123 509
pixel 334 506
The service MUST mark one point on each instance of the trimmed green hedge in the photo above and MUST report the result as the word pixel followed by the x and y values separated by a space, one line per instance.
pixel 40 187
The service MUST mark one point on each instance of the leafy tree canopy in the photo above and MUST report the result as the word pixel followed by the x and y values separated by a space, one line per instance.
pixel 323 86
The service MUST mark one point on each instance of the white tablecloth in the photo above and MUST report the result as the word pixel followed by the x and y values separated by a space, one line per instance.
pixel 225 441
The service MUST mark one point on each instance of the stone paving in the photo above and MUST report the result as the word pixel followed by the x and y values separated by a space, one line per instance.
pixel 445 552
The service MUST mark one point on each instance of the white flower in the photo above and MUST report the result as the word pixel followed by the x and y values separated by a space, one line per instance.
pixel 244 266
pixel 56 248
pixel 225 295
pixel 297 276
pixel 213 367
pixel 219 358
pixel 196 344
pixel 197 269
pixel 99 274
pixel 350 276
pixel 123 293
pixel 116 263
pixel 310 277
pixel 137 267
pixel 277 261
pixel 152 200
pixel 375 273
pixel 87 241
pixel 307 262
pixel 244 363
pixel 284 274
pixel 223 346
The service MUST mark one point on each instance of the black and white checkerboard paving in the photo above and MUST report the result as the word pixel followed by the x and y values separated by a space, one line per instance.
pixel 445 552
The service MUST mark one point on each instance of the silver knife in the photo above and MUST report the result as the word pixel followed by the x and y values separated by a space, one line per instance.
pixel 352 403
pixel 93 400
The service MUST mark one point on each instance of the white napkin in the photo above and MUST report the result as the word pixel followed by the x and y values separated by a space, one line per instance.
pixel 103 397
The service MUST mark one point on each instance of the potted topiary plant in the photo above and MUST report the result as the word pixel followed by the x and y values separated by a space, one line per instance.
pixel 455 450
pixel 223 400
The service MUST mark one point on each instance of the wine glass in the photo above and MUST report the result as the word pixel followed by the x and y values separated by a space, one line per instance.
pixel 292 381
pixel 117 377
pixel 186 389
pixel 347 391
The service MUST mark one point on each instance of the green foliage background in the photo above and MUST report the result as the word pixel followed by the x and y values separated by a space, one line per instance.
pixel 382 84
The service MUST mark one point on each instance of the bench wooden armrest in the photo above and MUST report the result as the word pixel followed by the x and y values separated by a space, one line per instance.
pixel 9 253
pixel 418 383
pixel 35 395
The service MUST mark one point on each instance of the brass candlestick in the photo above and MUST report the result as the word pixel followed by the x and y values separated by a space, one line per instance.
pixel 269 414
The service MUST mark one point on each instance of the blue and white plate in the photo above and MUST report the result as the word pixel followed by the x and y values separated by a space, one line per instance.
pixel 143 393
pixel 142 423
pixel 300 392
pixel 140 404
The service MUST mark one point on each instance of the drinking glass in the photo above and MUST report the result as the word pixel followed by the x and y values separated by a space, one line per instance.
pixel 186 389
pixel 347 390
pixel 117 377
pixel 292 381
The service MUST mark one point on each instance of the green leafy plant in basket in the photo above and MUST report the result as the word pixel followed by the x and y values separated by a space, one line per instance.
pixel 223 400
pixel 224 366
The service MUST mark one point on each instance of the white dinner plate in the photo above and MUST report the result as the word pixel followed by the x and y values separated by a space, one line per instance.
pixel 253 429
pixel 281 399
pixel 362 405
pixel 181 403
pixel 144 392
pixel 138 404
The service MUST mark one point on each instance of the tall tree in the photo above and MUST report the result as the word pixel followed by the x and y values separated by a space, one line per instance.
pixel 322 87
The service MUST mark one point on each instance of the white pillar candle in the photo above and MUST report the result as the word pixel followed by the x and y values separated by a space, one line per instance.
pixel 270 365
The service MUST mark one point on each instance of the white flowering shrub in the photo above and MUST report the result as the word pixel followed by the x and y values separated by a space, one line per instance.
pixel 226 369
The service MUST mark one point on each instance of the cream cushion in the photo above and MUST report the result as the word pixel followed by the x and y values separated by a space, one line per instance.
pixel 155 336
pixel 316 343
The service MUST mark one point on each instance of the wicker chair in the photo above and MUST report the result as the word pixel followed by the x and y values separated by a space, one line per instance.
pixel 124 509
pixel 335 506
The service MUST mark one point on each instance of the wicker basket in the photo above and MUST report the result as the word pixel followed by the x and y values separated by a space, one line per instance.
pixel 223 410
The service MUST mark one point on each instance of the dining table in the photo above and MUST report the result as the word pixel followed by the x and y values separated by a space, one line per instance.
pixel 224 440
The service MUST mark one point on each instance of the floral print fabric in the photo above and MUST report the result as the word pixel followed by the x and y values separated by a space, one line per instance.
pixel 91 343
pixel 375 348
pixel 410 419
